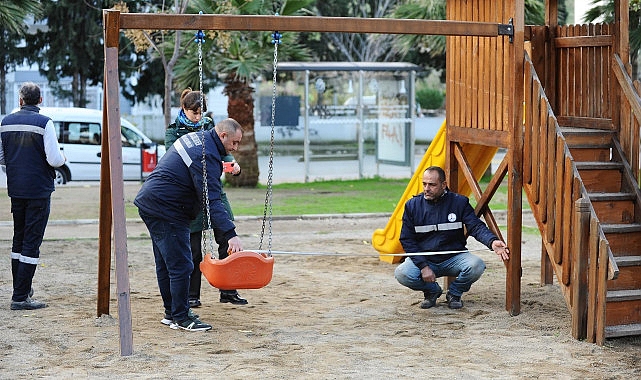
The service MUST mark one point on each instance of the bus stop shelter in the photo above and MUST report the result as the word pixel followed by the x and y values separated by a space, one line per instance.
pixel 354 101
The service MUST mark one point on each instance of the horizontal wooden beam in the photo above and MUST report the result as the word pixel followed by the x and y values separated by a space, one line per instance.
pixel 305 24
pixel 583 41
pixel 584 122
pixel 477 136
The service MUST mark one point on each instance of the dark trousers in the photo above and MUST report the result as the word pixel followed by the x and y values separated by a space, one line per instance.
pixel 30 217
pixel 174 264
pixel 195 239
pixel 223 246
pixel 197 257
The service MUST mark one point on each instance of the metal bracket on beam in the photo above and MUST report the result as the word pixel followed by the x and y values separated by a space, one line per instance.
pixel 507 29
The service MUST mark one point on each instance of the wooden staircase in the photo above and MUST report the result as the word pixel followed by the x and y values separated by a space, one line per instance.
pixel 580 176
pixel 616 200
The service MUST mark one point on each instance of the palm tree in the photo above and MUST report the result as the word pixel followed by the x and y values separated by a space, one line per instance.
pixel 14 12
pixel 238 58
pixel 12 30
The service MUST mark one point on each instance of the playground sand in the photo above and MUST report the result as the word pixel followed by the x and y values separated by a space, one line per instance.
pixel 321 317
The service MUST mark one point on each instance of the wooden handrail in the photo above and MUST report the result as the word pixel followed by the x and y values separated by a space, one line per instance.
pixel 627 87
pixel 554 178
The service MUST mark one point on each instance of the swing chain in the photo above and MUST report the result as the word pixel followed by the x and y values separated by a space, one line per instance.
pixel 207 237
pixel 276 40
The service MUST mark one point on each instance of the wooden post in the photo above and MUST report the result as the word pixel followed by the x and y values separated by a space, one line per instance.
pixel 602 291
pixel 515 173
pixel 579 283
pixel 549 80
pixel 105 221
pixel 593 282
pixel 112 113
pixel 547 271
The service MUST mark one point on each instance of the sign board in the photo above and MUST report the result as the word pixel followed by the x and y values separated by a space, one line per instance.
pixel 393 142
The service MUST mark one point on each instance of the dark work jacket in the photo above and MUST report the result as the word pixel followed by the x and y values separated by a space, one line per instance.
pixel 29 176
pixel 430 226
pixel 174 132
pixel 174 189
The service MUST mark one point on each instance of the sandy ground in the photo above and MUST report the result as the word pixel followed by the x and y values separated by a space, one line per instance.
pixel 321 317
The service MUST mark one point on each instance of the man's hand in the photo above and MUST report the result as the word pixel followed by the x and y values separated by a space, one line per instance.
pixel 501 249
pixel 427 274
pixel 234 245
pixel 235 168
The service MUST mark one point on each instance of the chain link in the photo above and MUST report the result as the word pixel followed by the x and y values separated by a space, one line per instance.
pixel 207 236
pixel 267 212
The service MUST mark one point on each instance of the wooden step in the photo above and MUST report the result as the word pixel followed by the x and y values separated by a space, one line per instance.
pixel 623 307
pixel 621 228
pixel 628 261
pixel 629 278
pixel 584 136
pixel 614 207
pixel 623 330
pixel 624 239
pixel 601 177
pixel 596 152
pixel 623 295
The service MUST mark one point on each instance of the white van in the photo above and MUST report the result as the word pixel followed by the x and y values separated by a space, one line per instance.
pixel 79 136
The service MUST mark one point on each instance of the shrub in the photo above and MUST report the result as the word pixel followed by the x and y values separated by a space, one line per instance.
pixel 430 98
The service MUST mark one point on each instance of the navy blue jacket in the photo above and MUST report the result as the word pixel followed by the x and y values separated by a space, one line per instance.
pixel 430 226
pixel 174 189
pixel 29 174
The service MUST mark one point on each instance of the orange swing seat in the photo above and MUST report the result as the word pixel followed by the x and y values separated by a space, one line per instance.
pixel 240 270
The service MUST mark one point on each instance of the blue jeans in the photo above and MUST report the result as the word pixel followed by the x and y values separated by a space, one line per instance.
pixel 30 217
pixel 466 267
pixel 174 264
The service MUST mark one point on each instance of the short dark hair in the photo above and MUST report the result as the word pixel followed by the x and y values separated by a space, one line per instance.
pixel 228 125
pixel 30 94
pixel 439 170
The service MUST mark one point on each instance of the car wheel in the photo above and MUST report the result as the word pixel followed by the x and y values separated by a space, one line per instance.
pixel 61 177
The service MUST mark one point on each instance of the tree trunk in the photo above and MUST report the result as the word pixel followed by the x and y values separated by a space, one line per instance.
pixel 3 90
pixel 169 78
pixel 241 108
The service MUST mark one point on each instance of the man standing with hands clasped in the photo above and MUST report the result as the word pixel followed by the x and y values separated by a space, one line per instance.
pixel 29 148
pixel 434 221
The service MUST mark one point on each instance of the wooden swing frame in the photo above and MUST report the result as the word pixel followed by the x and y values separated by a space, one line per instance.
pixel 112 207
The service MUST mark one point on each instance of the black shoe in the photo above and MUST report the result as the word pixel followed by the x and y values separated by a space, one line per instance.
pixel 232 298
pixel 454 302
pixel 194 302
pixel 191 324
pixel 430 299
pixel 168 320
pixel 28 304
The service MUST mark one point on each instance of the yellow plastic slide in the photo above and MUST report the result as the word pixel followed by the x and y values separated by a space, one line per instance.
pixel 386 241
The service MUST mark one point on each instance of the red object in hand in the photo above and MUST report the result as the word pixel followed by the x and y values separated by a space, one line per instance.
pixel 228 167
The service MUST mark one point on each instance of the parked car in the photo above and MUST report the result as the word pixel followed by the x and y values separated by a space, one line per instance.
pixel 79 133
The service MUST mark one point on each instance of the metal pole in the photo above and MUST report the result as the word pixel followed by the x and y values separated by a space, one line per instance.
pixel 306 134
pixel 412 106
pixel 360 126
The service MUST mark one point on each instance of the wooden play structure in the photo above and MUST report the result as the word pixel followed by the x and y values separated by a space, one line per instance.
pixel 566 112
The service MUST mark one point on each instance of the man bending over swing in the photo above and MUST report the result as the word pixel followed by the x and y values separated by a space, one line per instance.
pixel 170 199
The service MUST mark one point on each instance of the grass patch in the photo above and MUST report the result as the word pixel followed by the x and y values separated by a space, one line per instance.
pixel 324 197
pixel 373 195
